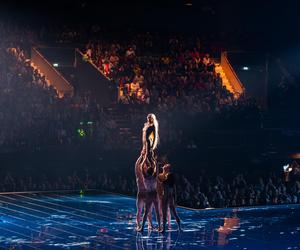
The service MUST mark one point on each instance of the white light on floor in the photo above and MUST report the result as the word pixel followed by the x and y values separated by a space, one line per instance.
pixel 55 65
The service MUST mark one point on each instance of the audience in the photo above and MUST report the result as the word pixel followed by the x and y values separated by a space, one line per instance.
pixel 177 73
pixel 217 192
pixel 165 81
pixel 171 75
pixel 205 192
pixel 31 113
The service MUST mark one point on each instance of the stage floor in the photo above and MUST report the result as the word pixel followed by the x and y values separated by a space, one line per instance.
pixel 104 221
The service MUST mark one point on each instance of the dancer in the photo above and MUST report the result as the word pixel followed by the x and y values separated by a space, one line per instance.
pixel 150 140
pixel 160 193
pixel 167 180
pixel 141 194
pixel 147 159
pixel 150 181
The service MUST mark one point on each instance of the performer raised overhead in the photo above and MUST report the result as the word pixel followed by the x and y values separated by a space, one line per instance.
pixel 150 139
pixel 147 159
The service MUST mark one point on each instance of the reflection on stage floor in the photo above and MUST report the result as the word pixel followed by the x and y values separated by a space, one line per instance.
pixel 105 221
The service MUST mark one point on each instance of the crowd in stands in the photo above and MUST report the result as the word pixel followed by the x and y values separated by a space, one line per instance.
pixel 172 72
pixel 32 115
pixel 204 192
pixel 40 117
pixel 173 77
pixel 285 93
pixel 217 192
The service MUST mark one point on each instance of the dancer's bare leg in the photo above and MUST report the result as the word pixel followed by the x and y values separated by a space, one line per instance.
pixel 160 207
pixel 169 218
pixel 147 208
pixel 139 209
pixel 140 204
pixel 174 213
pixel 164 207
pixel 157 213
pixel 149 216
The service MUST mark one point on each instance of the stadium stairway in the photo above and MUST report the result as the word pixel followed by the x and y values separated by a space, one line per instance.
pixel 53 77
pixel 40 73
pixel 225 81
pixel 228 75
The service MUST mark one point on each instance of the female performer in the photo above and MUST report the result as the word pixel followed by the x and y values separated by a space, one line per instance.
pixel 147 159
pixel 150 140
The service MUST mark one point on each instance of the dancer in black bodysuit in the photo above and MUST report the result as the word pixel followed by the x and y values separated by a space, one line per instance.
pixel 150 140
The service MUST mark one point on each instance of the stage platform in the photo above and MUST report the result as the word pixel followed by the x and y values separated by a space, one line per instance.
pixel 106 221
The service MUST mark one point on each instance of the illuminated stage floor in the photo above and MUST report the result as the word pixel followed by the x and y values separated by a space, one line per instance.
pixel 55 221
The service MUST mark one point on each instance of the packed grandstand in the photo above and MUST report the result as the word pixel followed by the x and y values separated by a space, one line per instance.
pixel 172 76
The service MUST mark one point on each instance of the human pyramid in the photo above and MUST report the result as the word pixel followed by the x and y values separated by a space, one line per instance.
pixel 155 189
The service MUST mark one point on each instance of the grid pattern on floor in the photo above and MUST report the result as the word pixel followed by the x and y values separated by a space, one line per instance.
pixel 106 221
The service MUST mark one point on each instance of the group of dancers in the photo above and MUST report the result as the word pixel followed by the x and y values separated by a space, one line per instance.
pixel 156 189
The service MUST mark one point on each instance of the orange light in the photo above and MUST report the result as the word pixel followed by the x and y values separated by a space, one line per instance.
pixel 295 156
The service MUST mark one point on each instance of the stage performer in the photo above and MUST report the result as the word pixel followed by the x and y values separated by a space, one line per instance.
pixel 168 196
pixel 141 194
pixel 150 138
pixel 150 181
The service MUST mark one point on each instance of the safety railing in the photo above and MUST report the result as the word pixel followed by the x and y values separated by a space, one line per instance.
pixel 231 75
pixel 56 79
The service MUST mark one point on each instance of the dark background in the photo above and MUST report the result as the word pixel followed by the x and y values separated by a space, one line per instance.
pixel 256 25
